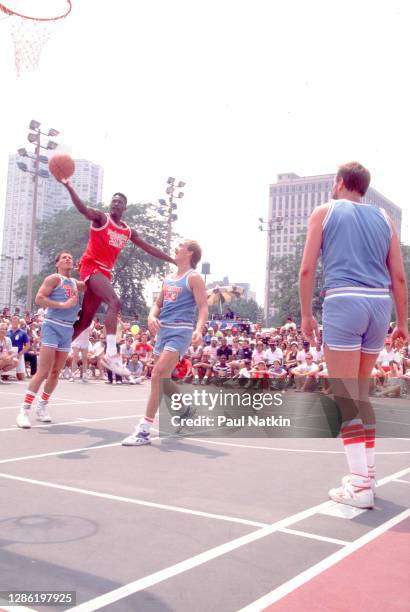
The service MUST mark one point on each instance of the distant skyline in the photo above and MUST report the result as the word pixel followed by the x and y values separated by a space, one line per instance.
pixel 224 96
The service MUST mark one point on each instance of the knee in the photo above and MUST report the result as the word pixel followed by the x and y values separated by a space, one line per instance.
pixel 114 303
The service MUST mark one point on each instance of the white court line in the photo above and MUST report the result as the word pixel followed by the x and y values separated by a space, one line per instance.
pixel 82 403
pixel 287 450
pixel 22 393
pixel 292 584
pixel 404 481
pixel 63 452
pixel 313 536
pixel 78 421
pixel 137 502
pixel 16 608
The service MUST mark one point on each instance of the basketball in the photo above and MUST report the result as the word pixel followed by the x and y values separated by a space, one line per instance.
pixel 61 166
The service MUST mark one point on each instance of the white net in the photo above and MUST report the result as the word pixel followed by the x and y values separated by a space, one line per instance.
pixel 29 35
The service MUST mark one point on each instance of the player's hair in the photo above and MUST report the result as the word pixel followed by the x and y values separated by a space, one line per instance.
pixel 355 177
pixel 118 193
pixel 196 251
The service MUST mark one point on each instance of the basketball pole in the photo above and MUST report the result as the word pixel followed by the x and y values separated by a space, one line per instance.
pixel 29 299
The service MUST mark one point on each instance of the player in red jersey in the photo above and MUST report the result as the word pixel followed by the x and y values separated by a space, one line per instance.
pixel 108 236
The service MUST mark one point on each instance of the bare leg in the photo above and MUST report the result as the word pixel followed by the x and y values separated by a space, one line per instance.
pixel 163 368
pixel 89 307
pixel 100 290
pixel 57 365
pixel 46 360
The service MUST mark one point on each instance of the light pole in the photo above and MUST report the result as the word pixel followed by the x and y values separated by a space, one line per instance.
pixel 13 260
pixel 269 227
pixel 34 138
pixel 167 209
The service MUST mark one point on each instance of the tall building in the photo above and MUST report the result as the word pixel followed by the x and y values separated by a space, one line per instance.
pixel 52 197
pixel 291 200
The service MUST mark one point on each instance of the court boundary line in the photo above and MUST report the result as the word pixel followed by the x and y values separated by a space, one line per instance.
pixel 82 403
pixel 77 422
pixel 294 583
pixel 137 502
pixel 314 536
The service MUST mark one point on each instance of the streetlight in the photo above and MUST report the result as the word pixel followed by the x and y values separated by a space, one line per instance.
pixel 13 260
pixel 34 137
pixel 270 226
pixel 167 209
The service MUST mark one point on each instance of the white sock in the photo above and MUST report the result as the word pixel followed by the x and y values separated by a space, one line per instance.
pixel 145 424
pixel 370 431
pixel 111 345
pixel 354 442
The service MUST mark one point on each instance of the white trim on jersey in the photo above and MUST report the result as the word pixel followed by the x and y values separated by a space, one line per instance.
pixel 387 219
pixel 328 214
pixel 98 229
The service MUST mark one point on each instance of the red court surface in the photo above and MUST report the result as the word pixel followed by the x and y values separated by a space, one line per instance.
pixel 375 577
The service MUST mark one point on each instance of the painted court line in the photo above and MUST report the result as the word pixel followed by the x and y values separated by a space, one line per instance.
pixel 289 586
pixel 78 421
pixel 21 394
pixel 209 555
pixel 63 452
pixel 137 502
pixel 398 480
pixel 313 536
pixel 82 403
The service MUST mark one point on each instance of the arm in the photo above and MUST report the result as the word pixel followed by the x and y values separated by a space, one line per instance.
pixel 42 299
pixel 198 288
pixel 92 214
pixel 80 285
pixel 153 321
pixel 308 270
pixel 399 286
pixel 148 248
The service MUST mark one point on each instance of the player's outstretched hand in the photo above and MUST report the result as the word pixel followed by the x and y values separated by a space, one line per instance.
pixel 310 329
pixel 153 325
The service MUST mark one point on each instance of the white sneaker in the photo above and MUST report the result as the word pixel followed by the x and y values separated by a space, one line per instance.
pixel 41 413
pixel 22 419
pixel 347 479
pixel 359 497
pixel 115 364
pixel 138 438
pixel 84 379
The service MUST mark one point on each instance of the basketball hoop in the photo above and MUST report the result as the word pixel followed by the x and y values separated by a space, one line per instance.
pixel 30 33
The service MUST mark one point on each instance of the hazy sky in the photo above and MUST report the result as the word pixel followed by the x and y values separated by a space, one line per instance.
pixel 223 94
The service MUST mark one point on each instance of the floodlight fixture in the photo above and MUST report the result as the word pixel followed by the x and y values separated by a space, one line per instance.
pixel 181 184
pixel 173 217
pixel 33 138
pixel 169 190
pixel 22 152
pixel 170 180
pixel 22 166
pixel 43 173
pixel 52 132
pixel 180 194
pixel 43 159
pixel 51 145
pixel 34 125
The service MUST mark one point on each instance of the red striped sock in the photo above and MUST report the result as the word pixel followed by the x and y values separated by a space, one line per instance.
pixel 370 433
pixel 146 422
pixel 354 441
pixel 28 399
pixel 45 396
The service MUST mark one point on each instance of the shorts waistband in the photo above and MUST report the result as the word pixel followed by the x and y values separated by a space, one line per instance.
pixel 358 291
pixel 57 322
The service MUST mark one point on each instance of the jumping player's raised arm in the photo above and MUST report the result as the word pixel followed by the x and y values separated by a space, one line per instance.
pixel 148 248
pixel 94 215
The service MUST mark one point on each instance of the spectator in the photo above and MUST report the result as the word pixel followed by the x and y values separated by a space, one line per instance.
pixel 222 370
pixel 224 349
pixel 258 354
pixel 20 341
pixel 8 359
pixel 273 352
pixel 306 374
pixel 202 370
pixel 136 369
pixel 387 354
pixel 278 375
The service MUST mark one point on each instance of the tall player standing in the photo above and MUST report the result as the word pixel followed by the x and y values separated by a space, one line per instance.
pixel 108 236
pixel 362 261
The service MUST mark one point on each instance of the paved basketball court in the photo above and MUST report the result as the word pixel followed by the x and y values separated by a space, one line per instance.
pixel 192 524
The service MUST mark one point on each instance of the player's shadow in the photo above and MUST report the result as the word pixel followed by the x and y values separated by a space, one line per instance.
pixel 178 443
pixel 83 433
pixel 383 511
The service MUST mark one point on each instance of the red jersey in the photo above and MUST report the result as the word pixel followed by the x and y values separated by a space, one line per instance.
pixel 105 243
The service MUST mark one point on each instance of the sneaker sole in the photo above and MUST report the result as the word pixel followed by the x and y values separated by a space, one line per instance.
pixel 118 371
pixel 350 502
pixel 144 443
pixel 23 426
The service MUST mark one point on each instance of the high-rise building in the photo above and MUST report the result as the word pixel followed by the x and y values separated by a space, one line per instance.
pixel 52 197
pixel 291 200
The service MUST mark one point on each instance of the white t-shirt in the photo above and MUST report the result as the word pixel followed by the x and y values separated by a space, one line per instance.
pixel 5 345
pixel 317 355
pixel 244 373
pixel 305 367
pixel 301 356
pixel 270 355
pixel 385 357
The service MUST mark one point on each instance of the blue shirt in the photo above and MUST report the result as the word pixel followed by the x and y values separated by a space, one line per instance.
pixel 18 338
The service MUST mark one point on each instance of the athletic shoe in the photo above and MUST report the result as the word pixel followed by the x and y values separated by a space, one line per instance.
pixel 85 379
pixel 346 480
pixel 71 379
pixel 115 364
pixel 22 419
pixel 358 497
pixel 138 438
pixel 41 412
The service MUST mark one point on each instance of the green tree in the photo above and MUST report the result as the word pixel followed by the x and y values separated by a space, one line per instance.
pixel 285 297
pixel 247 309
pixel 69 230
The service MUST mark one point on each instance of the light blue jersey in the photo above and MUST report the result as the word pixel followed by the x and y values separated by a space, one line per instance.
pixel 66 289
pixel 178 308
pixel 357 306
pixel 355 244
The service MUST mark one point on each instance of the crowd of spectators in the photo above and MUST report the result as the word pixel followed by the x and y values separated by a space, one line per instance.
pixel 234 352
